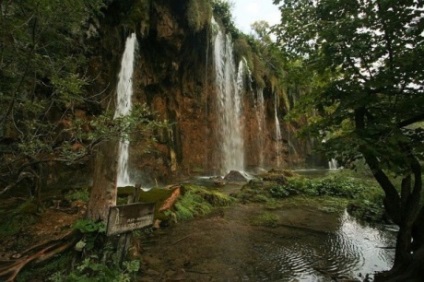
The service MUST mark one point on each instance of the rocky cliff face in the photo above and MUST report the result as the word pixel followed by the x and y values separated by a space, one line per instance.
pixel 174 76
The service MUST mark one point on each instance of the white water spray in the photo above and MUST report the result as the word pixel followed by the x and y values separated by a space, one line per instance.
pixel 124 105
pixel 333 164
pixel 229 104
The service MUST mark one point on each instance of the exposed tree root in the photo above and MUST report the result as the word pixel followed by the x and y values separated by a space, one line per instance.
pixel 9 269
pixel 170 201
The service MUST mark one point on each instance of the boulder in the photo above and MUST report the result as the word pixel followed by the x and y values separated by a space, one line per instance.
pixel 237 176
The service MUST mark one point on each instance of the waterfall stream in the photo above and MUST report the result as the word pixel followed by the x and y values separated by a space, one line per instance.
pixel 124 105
pixel 229 103
pixel 333 164
pixel 278 136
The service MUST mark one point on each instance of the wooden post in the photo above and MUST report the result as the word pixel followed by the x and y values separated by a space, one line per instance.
pixel 125 238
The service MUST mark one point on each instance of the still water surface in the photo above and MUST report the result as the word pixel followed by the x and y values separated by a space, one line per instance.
pixel 349 252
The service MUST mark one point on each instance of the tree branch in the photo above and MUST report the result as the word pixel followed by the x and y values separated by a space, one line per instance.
pixel 412 120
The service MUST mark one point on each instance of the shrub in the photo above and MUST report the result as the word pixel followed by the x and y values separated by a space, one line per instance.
pixel 199 12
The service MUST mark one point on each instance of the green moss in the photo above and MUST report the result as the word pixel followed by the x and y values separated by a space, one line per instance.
pixel 194 200
pixel 273 204
pixel 213 196
pixel 198 201
pixel 191 205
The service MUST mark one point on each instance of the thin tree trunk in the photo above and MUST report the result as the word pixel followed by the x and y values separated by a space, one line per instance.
pixel 104 191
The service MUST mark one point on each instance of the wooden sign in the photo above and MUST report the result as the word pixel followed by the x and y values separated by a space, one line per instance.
pixel 126 218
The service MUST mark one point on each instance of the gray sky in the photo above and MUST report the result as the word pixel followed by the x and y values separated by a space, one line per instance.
pixel 246 12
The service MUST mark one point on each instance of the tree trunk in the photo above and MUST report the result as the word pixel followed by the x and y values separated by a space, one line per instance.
pixel 104 191
pixel 403 247
pixel 413 272
pixel 418 231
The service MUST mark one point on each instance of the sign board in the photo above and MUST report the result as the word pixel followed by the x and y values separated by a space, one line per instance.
pixel 126 218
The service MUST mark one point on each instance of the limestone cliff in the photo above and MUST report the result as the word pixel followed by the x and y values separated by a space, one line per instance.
pixel 174 75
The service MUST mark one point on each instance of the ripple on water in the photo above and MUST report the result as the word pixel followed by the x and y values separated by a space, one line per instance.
pixel 352 250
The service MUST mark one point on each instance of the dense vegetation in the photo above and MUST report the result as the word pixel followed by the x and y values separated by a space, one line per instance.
pixel 361 197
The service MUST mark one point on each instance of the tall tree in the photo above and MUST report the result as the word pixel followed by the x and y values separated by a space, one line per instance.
pixel 367 56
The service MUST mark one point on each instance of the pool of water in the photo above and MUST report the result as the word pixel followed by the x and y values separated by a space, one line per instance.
pixel 350 251
pixel 312 240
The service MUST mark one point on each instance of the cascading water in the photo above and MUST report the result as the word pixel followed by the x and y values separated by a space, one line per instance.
pixel 124 105
pixel 333 164
pixel 278 136
pixel 260 117
pixel 229 104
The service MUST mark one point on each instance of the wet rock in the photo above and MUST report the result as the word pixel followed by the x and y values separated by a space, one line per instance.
pixel 237 176
pixel 218 181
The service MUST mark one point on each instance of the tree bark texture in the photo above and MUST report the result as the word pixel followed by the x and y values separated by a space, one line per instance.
pixel 104 191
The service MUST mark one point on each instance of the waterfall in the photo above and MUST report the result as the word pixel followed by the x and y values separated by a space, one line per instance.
pixel 333 164
pixel 278 136
pixel 124 105
pixel 229 103
pixel 260 117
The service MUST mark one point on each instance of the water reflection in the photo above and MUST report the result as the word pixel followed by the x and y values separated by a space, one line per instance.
pixel 348 253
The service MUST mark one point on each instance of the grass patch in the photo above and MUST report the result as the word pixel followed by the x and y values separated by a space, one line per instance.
pixel 198 201
pixel 363 197
pixel 267 219
pixel 273 205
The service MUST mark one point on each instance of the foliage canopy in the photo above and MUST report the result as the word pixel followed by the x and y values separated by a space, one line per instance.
pixel 367 93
